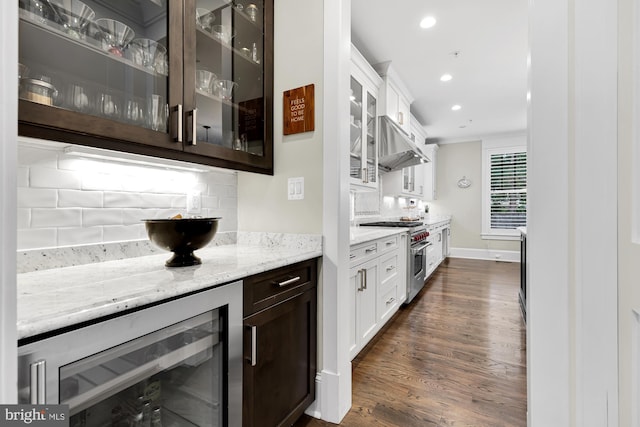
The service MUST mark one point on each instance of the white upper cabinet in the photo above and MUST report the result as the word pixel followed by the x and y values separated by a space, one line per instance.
pixel 363 137
pixel 394 96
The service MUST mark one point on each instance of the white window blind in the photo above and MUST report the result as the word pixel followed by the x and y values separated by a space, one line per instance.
pixel 508 190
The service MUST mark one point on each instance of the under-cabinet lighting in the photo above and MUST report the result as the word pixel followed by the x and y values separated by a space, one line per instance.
pixel 446 77
pixel 428 22
pixel 456 108
pixel 121 157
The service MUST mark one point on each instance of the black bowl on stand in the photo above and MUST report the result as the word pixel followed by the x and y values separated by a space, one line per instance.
pixel 182 236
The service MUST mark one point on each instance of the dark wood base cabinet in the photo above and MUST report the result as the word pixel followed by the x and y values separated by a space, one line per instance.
pixel 279 345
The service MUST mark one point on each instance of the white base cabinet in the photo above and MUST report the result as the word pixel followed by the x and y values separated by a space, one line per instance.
pixel 439 236
pixel 377 281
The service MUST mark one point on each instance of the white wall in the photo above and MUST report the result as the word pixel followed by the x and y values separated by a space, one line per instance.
pixel 464 204
pixel 67 201
pixel 262 200
pixel 628 198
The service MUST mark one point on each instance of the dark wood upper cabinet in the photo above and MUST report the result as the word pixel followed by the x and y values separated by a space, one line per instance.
pixel 189 80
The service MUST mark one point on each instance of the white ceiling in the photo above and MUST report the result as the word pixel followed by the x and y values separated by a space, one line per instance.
pixel 489 75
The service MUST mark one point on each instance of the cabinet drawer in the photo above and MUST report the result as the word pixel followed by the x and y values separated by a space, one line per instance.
pixel 388 244
pixel 388 300
pixel 388 266
pixel 363 253
pixel 265 289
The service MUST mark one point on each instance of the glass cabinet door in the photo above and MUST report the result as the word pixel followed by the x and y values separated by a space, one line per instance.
pixel 372 146
pixel 229 110
pixel 106 59
pixel 357 149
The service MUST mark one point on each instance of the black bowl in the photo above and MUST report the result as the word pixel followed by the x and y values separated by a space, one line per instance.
pixel 182 237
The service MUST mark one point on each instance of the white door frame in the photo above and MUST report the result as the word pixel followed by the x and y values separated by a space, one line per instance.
pixel 8 212
pixel 572 334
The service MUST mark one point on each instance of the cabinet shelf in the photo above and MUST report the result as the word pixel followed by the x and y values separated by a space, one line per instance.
pixel 40 40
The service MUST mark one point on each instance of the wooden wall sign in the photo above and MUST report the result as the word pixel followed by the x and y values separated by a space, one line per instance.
pixel 299 110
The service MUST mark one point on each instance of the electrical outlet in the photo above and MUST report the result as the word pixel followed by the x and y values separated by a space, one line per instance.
pixel 194 203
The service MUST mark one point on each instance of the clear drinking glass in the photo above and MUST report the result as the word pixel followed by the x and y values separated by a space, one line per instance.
pixel 157 111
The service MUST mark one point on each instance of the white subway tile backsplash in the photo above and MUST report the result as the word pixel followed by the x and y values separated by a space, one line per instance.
pixel 53 178
pixel 78 198
pixel 36 238
pixel 228 203
pixel 22 176
pixel 93 217
pixel 37 197
pixel 61 217
pixel 122 200
pixel 124 233
pixel 210 202
pixel 73 236
pixel 102 181
pixel 66 201
pixel 135 216
pixel 24 218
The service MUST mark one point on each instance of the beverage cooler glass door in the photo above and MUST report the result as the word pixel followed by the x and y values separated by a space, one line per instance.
pixel 186 373
pixel 107 59
pixel 229 78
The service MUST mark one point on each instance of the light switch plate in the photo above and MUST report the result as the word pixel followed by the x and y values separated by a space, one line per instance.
pixel 295 188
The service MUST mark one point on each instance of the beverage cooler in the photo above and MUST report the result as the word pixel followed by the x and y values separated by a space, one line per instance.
pixel 178 363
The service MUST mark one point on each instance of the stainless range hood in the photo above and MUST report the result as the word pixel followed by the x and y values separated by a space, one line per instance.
pixel 396 150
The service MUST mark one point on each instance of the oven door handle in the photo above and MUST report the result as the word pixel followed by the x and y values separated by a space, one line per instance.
pixel 420 248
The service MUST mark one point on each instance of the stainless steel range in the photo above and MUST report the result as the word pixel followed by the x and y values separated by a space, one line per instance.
pixel 416 253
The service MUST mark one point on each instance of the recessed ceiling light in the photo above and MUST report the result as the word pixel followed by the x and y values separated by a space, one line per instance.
pixel 428 22
pixel 456 107
pixel 446 77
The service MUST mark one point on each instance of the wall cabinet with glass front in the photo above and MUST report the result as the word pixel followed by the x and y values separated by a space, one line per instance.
pixel 190 80
pixel 363 137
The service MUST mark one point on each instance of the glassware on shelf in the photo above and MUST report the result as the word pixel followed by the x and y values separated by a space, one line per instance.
pixel 109 106
pixel 156 417
pixel 223 33
pixel 77 98
pixel 149 54
pixel 205 19
pixel 224 89
pixel 73 15
pixel 205 80
pixel 252 12
pixel 134 111
pixel 39 90
pixel 157 112
pixel 40 10
pixel 116 36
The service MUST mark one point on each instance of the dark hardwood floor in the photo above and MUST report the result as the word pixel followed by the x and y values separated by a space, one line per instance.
pixel 455 356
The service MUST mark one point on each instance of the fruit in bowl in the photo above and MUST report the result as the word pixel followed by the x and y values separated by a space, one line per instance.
pixel 182 236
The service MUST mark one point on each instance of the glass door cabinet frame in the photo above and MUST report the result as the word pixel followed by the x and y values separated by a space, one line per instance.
pixel 74 58
pixel 363 138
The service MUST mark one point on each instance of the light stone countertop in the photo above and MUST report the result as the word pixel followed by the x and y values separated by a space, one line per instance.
pixel 366 234
pixel 62 297
pixel 431 219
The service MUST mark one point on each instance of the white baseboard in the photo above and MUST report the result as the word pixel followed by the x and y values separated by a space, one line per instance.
pixel 314 409
pixel 486 254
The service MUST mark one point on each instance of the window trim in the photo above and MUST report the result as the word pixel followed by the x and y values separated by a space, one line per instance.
pixel 489 148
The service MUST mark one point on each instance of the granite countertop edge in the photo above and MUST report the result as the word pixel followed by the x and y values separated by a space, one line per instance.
pixel 53 299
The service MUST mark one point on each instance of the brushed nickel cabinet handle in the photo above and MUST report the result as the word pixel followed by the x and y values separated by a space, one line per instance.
pixel 178 118
pixel 364 274
pixel 38 392
pixel 289 282
pixel 254 345
pixel 371 249
pixel 361 287
pixel 391 268
pixel 193 116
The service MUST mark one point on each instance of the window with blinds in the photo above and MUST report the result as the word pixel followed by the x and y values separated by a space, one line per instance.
pixel 508 190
